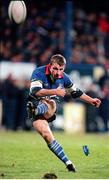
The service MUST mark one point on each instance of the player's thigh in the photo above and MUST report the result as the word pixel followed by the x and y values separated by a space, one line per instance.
pixel 44 130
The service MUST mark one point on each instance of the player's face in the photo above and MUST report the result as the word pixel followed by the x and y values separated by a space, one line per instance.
pixel 56 70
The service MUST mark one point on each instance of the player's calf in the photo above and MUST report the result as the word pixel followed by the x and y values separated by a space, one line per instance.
pixel 57 149
pixel 33 111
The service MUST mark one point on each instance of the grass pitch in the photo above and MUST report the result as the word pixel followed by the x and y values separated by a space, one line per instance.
pixel 24 155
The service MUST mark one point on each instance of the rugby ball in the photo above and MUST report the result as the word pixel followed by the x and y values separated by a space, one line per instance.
pixel 17 11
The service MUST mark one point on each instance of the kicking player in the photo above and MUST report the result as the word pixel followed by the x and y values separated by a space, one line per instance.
pixel 48 84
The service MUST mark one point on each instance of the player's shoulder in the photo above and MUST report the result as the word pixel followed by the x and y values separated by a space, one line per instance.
pixel 39 72
pixel 40 69
pixel 67 81
pixel 65 76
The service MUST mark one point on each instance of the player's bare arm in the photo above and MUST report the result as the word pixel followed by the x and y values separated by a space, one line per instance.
pixel 93 101
pixel 45 92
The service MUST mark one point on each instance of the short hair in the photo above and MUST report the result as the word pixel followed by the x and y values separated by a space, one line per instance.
pixel 59 59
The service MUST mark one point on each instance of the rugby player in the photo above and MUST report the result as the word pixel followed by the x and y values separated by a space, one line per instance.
pixel 48 85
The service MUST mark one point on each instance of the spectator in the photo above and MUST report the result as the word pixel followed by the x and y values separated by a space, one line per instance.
pixel 10 94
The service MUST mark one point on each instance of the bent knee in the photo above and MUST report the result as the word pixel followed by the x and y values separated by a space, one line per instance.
pixel 51 104
pixel 46 135
pixel 43 129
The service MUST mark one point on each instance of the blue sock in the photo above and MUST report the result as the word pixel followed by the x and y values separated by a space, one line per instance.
pixel 56 148
pixel 41 109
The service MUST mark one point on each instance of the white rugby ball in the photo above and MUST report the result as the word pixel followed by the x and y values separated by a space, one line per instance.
pixel 17 11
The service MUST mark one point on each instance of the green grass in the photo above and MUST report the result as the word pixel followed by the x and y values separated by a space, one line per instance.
pixel 24 155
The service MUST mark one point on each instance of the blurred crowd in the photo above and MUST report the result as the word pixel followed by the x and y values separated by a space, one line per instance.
pixel 42 35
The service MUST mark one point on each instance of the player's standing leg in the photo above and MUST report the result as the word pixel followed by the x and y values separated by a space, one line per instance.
pixel 44 130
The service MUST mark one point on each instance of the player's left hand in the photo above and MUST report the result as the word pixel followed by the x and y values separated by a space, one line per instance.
pixel 96 102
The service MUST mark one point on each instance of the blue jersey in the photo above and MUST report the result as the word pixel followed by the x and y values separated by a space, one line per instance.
pixel 42 79
pixel 43 75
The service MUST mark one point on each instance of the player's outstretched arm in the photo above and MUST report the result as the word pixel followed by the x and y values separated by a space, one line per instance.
pixel 93 101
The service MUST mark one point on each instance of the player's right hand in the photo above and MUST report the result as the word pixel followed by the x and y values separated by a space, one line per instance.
pixel 60 91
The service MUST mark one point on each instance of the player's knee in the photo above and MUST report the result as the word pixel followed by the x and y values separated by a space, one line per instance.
pixel 46 135
pixel 51 110
pixel 53 105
